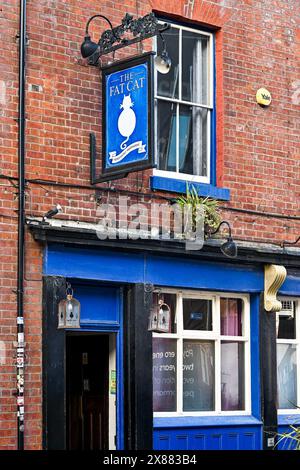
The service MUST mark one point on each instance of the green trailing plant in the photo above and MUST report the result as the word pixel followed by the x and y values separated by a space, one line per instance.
pixel 193 201
pixel 289 440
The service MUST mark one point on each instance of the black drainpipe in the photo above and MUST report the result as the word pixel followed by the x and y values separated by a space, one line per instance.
pixel 21 225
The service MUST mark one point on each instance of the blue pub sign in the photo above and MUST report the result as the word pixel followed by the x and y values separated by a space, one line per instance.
pixel 128 114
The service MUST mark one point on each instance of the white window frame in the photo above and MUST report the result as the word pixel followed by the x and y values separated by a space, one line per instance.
pixel 209 107
pixel 293 411
pixel 214 335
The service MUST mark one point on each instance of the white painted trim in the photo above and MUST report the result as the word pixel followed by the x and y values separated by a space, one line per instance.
pixel 292 411
pixel 199 294
pixel 288 341
pixel 181 176
pixel 208 144
pixel 179 380
pixel 246 327
pixel 200 334
pixel 179 312
pixel 296 342
pixel 215 336
pixel 112 409
pixel 186 103
pixel 171 414
pixel 180 64
pixel 187 28
pixel 210 71
pixel 217 327
pixel 297 318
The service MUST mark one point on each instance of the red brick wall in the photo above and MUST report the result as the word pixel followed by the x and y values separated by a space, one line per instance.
pixel 256 43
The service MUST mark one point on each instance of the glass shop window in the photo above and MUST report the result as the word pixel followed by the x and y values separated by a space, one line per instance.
pixel 184 103
pixel 202 365
pixel 288 351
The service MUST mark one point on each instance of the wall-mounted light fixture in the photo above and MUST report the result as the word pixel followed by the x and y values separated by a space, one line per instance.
pixel 69 310
pixel 228 248
pixel 160 318
pixel 163 62
pixel 116 38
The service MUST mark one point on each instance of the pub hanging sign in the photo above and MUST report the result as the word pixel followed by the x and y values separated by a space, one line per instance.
pixel 127 93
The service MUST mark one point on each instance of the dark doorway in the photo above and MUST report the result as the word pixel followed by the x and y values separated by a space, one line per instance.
pixel 87 359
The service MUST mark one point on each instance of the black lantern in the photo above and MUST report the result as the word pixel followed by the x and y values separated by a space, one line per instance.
pixel 160 318
pixel 69 311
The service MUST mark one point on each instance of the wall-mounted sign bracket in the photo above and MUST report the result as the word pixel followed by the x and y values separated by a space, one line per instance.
pixel 118 37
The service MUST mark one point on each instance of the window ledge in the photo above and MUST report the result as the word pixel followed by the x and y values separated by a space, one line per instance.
pixel 287 419
pixel 160 183
pixel 198 421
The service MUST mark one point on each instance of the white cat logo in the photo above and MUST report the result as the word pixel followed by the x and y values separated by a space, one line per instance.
pixel 127 120
pixel 126 127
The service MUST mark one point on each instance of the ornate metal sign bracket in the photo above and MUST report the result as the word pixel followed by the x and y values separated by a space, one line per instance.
pixel 115 38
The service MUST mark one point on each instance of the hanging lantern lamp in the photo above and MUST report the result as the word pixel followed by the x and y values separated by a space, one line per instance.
pixel 69 310
pixel 160 318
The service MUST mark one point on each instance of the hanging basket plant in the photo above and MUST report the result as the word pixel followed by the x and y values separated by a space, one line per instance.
pixel 193 202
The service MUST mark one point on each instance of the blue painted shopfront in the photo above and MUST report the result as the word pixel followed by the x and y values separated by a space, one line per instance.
pixel 89 267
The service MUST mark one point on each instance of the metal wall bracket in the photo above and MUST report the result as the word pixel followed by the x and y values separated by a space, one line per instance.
pixel 116 38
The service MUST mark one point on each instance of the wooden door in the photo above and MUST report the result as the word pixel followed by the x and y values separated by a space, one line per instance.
pixel 87 392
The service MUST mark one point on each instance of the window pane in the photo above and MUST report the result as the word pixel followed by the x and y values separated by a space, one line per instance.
pixel 170 300
pixel 193 140
pixel 286 327
pixel 194 67
pixel 232 376
pixel 198 375
pixel 167 84
pixel 286 324
pixel 164 374
pixel 231 317
pixel 166 135
pixel 197 314
pixel 287 375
